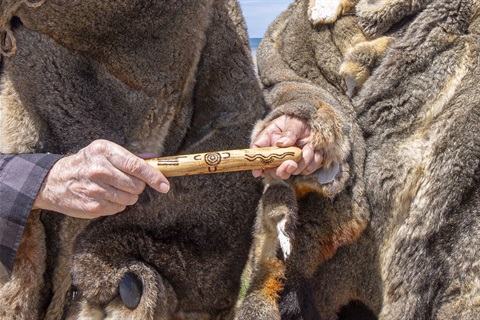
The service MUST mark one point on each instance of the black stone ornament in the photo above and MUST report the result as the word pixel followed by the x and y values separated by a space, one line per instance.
pixel 131 289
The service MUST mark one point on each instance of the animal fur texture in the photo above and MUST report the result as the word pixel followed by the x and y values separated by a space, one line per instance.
pixel 413 68
pixel 166 77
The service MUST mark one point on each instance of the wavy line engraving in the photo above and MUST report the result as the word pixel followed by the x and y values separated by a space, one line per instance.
pixel 269 159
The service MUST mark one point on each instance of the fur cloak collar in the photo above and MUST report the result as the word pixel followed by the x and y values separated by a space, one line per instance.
pixel 375 16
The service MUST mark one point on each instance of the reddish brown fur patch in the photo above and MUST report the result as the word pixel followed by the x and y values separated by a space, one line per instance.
pixel 287 94
pixel 327 250
pixel 350 232
pixel 327 133
pixel 302 189
pixel 345 234
pixel 348 6
pixel 330 113
pixel 273 282
pixel 273 286
pixel 338 233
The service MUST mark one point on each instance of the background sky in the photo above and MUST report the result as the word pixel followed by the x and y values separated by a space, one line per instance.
pixel 260 13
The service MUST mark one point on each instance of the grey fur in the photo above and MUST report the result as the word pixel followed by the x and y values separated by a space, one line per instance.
pixel 166 77
pixel 418 257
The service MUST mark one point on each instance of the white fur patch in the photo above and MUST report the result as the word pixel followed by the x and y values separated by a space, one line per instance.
pixel 325 10
pixel 284 239
pixel 19 130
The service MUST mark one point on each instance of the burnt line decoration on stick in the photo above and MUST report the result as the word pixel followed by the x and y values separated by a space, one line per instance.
pixel 213 159
pixel 169 161
pixel 267 160
pixel 224 161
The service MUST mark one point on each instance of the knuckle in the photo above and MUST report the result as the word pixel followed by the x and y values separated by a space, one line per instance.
pixel 284 176
pixel 94 191
pixel 132 200
pixel 306 172
pixel 138 186
pixel 116 209
pixel 309 170
pixel 97 146
pixel 308 155
pixel 96 172
pixel 133 165
pixel 93 208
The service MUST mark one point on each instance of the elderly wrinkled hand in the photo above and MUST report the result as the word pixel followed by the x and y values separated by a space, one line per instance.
pixel 286 131
pixel 101 179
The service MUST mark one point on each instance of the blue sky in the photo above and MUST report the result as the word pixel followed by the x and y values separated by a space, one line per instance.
pixel 260 13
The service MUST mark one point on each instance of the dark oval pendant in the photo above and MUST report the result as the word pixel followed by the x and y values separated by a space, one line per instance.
pixel 131 289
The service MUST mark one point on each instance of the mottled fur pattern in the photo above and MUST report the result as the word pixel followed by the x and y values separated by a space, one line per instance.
pixel 163 77
pixel 277 207
pixel 293 206
pixel 418 109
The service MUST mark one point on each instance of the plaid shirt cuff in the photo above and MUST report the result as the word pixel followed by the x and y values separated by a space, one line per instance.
pixel 20 179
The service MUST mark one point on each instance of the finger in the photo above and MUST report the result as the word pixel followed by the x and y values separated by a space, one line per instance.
pixel 271 172
pixel 124 182
pixel 94 209
pixel 106 174
pixel 287 139
pixel 97 197
pixel 120 197
pixel 141 169
pixel 315 164
pixel 257 173
pixel 308 154
pixel 264 139
pixel 111 209
pixel 293 130
pixel 285 170
pixel 128 163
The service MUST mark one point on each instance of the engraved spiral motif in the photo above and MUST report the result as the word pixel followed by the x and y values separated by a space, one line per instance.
pixel 213 159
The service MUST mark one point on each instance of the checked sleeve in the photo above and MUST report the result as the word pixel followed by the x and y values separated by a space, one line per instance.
pixel 21 176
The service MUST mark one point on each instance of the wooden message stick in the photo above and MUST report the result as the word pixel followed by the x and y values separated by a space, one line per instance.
pixel 224 161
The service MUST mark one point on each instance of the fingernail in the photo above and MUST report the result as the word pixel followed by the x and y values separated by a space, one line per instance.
pixel 280 142
pixel 256 173
pixel 164 187
pixel 291 169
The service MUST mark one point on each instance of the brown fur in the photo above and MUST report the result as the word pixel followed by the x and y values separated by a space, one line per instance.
pixel 360 60
pixel 9 10
pixel 162 77
pixel 27 274
pixel 334 131
pixel 344 7
pixel 416 104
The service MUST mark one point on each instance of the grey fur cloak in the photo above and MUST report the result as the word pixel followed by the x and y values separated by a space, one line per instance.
pixel 406 74
pixel 166 77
